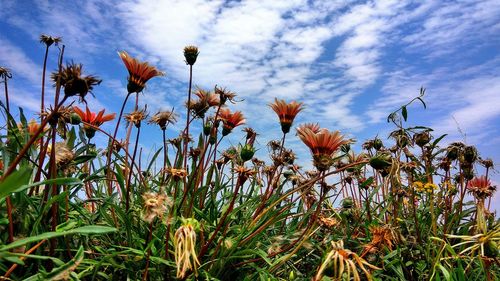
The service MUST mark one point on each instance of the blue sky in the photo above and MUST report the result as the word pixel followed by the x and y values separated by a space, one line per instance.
pixel 350 62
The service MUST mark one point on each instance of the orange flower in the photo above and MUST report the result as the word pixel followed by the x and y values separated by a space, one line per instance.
pixel 481 187
pixel 91 118
pixel 140 72
pixel 323 144
pixel 33 127
pixel 230 120
pixel 311 126
pixel 286 112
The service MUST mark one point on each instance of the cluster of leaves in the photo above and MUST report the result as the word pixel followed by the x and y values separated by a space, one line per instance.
pixel 70 210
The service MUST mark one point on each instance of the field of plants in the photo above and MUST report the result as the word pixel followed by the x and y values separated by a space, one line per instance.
pixel 404 207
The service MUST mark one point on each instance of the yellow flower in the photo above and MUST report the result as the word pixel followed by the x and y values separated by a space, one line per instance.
pixel 429 187
pixel 419 186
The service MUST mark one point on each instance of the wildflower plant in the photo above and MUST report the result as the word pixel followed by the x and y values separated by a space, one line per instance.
pixel 203 207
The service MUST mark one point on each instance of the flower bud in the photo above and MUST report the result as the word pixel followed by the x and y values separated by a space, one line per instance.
pixel 191 54
pixel 247 152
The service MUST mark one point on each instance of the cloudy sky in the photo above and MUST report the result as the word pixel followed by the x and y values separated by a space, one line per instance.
pixel 350 62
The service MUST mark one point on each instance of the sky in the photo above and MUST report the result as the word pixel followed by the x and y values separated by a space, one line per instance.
pixel 350 62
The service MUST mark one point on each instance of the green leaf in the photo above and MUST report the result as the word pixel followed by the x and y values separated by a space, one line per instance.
pixel 404 112
pixel 14 181
pixel 89 229
pixel 445 272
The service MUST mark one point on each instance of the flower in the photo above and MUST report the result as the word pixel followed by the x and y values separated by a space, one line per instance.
pixel 206 99
pixel 382 236
pixel 224 94
pixel 419 186
pixel 430 187
pixel 63 154
pixel 155 205
pixel 91 119
pixel 230 120
pixel 139 72
pixel 135 117
pixel 286 112
pixel 73 82
pixel 185 254
pixel 323 144
pixel 5 73
pixel 162 118
pixel 191 54
pixel 481 187
pixel 243 173
pixel 314 127
pixel 175 174
pixel 49 40
pixel 344 258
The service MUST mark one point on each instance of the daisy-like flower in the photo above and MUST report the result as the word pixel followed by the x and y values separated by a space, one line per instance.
pixel 91 118
pixel 155 206
pixel 74 83
pixel 323 144
pixel 184 247
pixel 49 40
pixel 139 72
pixel 481 187
pixel 5 73
pixel 136 117
pixel 224 94
pixel 191 54
pixel 342 260
pixel 382 236
pixel 314 127
pixel 230 120
pixel 430 187
pixel 206 99
pixel 175 174
pixel 163 118
pixel 419 186
pixel 243 173
pixel 286 112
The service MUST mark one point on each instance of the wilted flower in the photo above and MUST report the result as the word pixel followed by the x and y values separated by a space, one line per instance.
pixel 155 205
pixel 243 173
pixel 206 99
pixel 91 118
pixel 286 112
pixel 322 144
pixel 481 187
pixel 63 155
pixel 328 222
pixel 49 40
pixel 230 120
pixel 163 118
pixel 422 138
pixel 139 72
pixel 382 236
pixel 191 54
pixel 184 243
pixel 136 117
pixel 224 94
pixel 73 82
pixel 344 258
pixel 175 174
pixel 5 73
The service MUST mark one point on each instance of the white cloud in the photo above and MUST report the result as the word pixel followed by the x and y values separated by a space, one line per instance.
pixel 18 62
